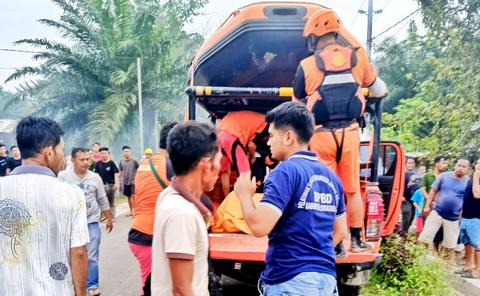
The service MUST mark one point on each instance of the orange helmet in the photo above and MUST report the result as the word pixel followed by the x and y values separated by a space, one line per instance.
pixel 321 22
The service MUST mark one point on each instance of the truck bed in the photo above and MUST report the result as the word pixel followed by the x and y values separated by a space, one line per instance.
pixel 244 247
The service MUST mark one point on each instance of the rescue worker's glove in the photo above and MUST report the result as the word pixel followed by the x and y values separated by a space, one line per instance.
pixel 377 91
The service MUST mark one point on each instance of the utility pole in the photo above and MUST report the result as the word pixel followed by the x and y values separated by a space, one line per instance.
pixel 140 103
pixel 369 27
pixel 370 12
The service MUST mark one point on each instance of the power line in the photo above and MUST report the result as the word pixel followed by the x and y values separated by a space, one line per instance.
pixel 396 24
pixel 18 50
pixel 114 58
pixel 385 6
pixel 375 17
pixel 357 13
pixel 401 28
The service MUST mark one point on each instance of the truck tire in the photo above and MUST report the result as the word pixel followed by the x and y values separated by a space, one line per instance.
pixel 215 284
pixel 345 290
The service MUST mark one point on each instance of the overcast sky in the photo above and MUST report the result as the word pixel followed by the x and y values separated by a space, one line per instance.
pixel 18 19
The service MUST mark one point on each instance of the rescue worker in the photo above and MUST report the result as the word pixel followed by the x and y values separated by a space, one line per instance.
pixel 237 133
pixel 148 153
pixel 153 175
pixel 329 82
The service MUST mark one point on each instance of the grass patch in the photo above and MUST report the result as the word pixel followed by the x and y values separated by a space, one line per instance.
pixel 405 270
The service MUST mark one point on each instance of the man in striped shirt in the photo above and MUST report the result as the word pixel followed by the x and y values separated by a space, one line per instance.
pixel 43 221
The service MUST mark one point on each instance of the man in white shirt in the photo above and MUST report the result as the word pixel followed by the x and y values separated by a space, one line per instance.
pixel 43 221
pixel 180 239
pixel 97 204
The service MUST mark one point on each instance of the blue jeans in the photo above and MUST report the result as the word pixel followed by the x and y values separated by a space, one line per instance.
pixel 305 283
pixel 93 248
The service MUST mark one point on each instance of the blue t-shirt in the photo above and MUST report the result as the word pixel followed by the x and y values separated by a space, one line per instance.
pixel 309 197
pixel 419 200
pixel 451 191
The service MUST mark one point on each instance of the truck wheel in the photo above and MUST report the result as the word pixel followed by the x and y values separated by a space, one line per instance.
pixel 345 290
pixel 215 284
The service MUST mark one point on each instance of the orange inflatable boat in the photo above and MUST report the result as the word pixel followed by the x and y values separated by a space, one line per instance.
pixel 258 46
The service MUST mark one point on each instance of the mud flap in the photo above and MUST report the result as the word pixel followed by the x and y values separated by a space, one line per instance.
pixel 358 278
pixel 214 281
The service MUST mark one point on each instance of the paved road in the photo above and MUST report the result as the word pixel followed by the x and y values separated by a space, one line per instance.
pixel 119 271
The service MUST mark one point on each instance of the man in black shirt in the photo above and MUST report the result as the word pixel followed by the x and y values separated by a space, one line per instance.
pixel 109 173
pixel 470 226
pixel 3 160
pixel 15 160
pixel 412 181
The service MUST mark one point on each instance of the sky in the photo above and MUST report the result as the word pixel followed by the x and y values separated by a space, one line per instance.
pixel 18 19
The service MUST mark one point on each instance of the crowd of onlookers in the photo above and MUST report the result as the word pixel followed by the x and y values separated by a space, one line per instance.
pixel 314 186
pixel 443 208
pixel 50 230
pixel 100 178
pixel 168 235
pixel 9 163
pixel 92 171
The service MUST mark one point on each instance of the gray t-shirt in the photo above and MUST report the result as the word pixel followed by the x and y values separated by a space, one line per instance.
pixel 451 191
pixel 92 187
pixel 128 169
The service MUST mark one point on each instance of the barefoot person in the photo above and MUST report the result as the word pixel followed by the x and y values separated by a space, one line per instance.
pixel 128 168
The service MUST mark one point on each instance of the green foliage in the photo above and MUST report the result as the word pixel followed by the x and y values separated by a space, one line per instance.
pixel 434 81
pixel 404 65
pixel 404 270
pixel 11 112
pixel 89 83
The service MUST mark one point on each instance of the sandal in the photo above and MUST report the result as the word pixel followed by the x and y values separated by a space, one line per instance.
pixel 462 270
pixel 470 275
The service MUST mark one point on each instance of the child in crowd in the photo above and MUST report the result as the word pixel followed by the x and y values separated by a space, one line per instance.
pixel 418 203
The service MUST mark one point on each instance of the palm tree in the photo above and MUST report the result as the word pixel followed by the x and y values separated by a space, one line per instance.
pixel 89 83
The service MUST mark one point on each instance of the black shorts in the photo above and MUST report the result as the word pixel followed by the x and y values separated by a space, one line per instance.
pixel 128 190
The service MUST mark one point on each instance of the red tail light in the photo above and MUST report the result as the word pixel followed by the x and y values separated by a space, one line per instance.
pixel 375 211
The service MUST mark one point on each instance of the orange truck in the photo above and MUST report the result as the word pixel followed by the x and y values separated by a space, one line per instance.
pixel 249 64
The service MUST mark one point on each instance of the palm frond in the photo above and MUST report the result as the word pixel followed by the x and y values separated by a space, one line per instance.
pixel 65 6
pixel 122 17
pixel 44 42
pixel 22 72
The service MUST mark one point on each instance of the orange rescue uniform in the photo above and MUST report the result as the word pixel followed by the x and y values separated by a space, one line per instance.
pixel 147 190
pixel 326 141
pixel 241 126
